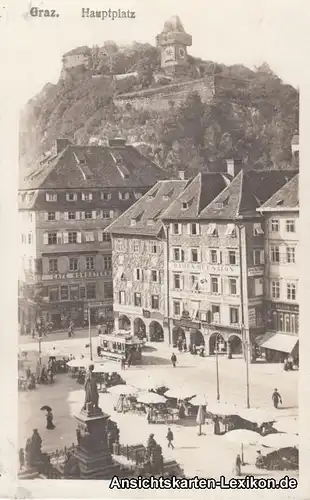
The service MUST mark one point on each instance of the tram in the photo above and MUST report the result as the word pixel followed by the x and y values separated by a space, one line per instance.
pixel 118 346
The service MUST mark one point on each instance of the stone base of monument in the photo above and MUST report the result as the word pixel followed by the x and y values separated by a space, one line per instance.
pixel 92 451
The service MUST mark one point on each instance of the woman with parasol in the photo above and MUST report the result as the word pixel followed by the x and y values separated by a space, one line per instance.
pixel 49 417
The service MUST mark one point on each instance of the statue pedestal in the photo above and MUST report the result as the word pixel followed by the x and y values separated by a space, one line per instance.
pixel 92 452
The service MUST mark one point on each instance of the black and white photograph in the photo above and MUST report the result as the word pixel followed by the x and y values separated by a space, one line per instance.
pixel 158 246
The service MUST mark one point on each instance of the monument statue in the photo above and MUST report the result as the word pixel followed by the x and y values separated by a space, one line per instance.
pixel 91 391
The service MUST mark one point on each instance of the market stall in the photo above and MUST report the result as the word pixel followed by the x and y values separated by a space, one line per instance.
pixel 278 452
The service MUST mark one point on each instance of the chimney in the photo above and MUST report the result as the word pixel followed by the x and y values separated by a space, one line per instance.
pixel 233 167
pixel 61 144
pixel 182 175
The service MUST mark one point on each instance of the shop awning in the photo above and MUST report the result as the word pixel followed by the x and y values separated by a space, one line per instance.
pixel 278 342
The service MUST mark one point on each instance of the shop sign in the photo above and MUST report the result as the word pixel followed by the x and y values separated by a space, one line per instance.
pixel 255 271
pixel 77 275
pixel 184 323
pixel 285 307
pixel 199 266
pixel 146 314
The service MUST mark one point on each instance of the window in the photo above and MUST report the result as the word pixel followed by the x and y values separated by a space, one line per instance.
pixel 214 284
pixel 30 264
pixel 71 196
pixel 232 257
pixel 105 196
pixel 178 254
pixel 216 310
pixel 64 292
pixel 258 286
pixel 119 245
pixel 274 254
pixel 106 237
pixel 232 286
pixel 51 216
pixel 137 299
pixel 53 265
pixel 89 236
pixel 105 214
pixel 275 289
pixel 213 256
pixel 51 197
pixel 139 274
pixel 257 229
pixel 135 246
pixel 87 196
pixel 194 229
pixel 274 226
pixel 291 291
pixel 154 275
pixel 107 262
pixel 72 237
pixel 155 302
pixel 234 315
pixel 121 297
pixel 195 282
pixel 212 230
pixel 176 308
pixel 71 215
pixel 176 228
pixel 88 214
pixel 123 196
pixel 194 255
pixel 154 248
pixel 73 264
pixel 29 238
pixel 108 290
pixel 74 292
pixel 230 231
pixel 91 290
pixel 137 195
pixel 90 263
pixel 290 226
pixel 177 282
pixel 258 257
pixel 52 238
pixel 290 255
pixel 53 294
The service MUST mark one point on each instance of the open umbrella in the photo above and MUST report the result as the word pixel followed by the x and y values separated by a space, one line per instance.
pixel 199 400
pixel 150 384
pixel 46 408
pixel 52 353
pixel 123 389
pixel 222 409
pixel 79 363
pixel 151 398
pixel 257 416
pixel 201 417
pixel 180 393
pixel 279 441
pixel 288 425
pixel 243 436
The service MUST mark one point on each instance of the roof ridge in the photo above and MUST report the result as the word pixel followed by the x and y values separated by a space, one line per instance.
pixel 241 173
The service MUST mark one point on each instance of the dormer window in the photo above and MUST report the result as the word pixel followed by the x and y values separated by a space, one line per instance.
pixel 150 222
pixel 71 196
pixel 123 196
pixel 230 231
pixel 51 197
pixel 87 196
pixel 105 196
pixel 168 195
pixel 135 219
pixel 184 205
pixel 212 230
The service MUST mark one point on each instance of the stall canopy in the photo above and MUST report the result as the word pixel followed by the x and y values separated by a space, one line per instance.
pixel 278 342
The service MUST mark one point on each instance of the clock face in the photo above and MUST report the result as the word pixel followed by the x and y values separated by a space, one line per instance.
pixel 169 53
pixel 182 52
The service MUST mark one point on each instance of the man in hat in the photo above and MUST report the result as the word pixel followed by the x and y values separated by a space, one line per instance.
pixel 276 398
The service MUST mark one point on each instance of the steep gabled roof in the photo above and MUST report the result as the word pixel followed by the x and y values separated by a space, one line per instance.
pixel 286 198
pixel 95 166
pixel 197 195
pixel 248 191
pixel 148 209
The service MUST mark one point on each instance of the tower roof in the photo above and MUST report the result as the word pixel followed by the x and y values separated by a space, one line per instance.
pixel 173 24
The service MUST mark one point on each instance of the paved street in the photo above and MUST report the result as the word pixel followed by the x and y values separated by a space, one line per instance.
pixel 66 396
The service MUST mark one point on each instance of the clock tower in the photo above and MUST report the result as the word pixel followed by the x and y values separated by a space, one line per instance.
pixel 173 42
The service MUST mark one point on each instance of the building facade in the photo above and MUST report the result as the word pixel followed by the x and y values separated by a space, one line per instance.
pixel 216 262
pixel 281 214
pixel 64 207
pixel 139 264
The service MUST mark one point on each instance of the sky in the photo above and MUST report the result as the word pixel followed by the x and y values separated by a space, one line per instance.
pixel 245 32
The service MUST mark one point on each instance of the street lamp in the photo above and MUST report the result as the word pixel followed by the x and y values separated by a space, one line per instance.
pixel 246 346
pixel 217 367
pixel 89 335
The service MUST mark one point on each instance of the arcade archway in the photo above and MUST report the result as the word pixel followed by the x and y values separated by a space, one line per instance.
pixel 196 338
pixel 235 344
pixel 139 328
pixel 124 323
pixel 217 342
pixel 156 332
pixel 177 334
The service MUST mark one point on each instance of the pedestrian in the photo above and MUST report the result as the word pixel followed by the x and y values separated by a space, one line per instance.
pixel 238 465
pixel 21 458
pixel 173 360
pixel 49 420
pixel 123 363
pixel 170 438
pixel 276 398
